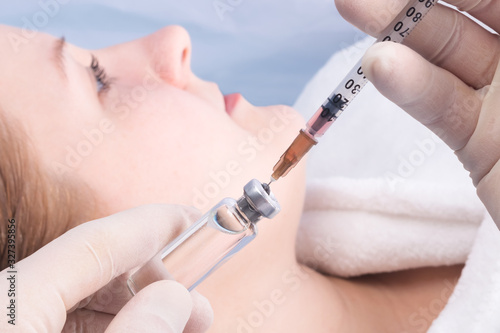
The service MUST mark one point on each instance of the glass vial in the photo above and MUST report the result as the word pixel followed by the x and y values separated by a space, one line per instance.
pixel 209 242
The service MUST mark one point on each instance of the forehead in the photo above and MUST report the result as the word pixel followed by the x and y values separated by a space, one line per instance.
pixel 22 52
pixel 16 42
pixel 21 47
pixel 26 74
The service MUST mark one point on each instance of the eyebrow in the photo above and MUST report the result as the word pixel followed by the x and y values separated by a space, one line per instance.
pixel 59 55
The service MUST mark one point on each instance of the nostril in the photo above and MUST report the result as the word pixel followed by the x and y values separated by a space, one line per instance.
pixel 185 55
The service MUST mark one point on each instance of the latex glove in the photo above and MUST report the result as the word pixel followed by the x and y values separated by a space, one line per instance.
pixel 76 283
pixel 452 85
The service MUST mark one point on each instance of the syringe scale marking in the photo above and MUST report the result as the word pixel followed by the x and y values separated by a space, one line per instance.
pixel 347 90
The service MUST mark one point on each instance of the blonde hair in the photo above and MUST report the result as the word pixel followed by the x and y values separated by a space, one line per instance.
pixel 43 206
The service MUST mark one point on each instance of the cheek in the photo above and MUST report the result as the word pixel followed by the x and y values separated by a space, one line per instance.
pixel 246 156
pixel 68 134
pixel 183 151
pixel 160 153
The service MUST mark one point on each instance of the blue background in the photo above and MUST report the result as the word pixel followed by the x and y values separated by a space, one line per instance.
pixel 266 50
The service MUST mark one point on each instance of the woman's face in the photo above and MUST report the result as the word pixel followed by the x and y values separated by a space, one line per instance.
pixel 137 125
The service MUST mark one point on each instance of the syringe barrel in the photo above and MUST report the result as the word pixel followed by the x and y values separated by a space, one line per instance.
pixel 337 102
pixel 348 89
pixel 299 147
pixel 355 80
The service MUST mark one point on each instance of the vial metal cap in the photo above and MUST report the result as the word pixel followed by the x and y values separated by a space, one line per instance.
pixel 256 202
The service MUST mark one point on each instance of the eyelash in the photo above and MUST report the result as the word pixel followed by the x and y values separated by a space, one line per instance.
pixel 101 77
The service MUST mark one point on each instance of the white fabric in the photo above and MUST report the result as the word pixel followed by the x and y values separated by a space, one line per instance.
pixel 385 194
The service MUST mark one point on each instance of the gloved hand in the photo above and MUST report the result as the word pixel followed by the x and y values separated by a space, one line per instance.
pixel 450 83
pixel 76 283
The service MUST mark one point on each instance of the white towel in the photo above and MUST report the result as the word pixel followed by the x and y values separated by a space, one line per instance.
pixel 385 194
pixel 372 229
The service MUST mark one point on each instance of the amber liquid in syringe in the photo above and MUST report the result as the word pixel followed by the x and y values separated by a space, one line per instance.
pixel 299 147
pixel 348 89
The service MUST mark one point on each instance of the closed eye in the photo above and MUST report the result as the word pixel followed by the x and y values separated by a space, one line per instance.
pixel 102 80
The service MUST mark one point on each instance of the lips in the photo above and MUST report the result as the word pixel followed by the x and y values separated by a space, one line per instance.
pixel 231 102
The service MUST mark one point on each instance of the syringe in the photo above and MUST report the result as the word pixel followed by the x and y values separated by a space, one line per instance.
pixel 349 88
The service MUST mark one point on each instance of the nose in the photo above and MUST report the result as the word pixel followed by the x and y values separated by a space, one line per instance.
pixel 170 54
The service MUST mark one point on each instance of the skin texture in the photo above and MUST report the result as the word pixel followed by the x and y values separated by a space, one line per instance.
pixel 166 136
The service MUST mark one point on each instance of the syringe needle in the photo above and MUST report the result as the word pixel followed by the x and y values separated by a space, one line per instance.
pixel 347 90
